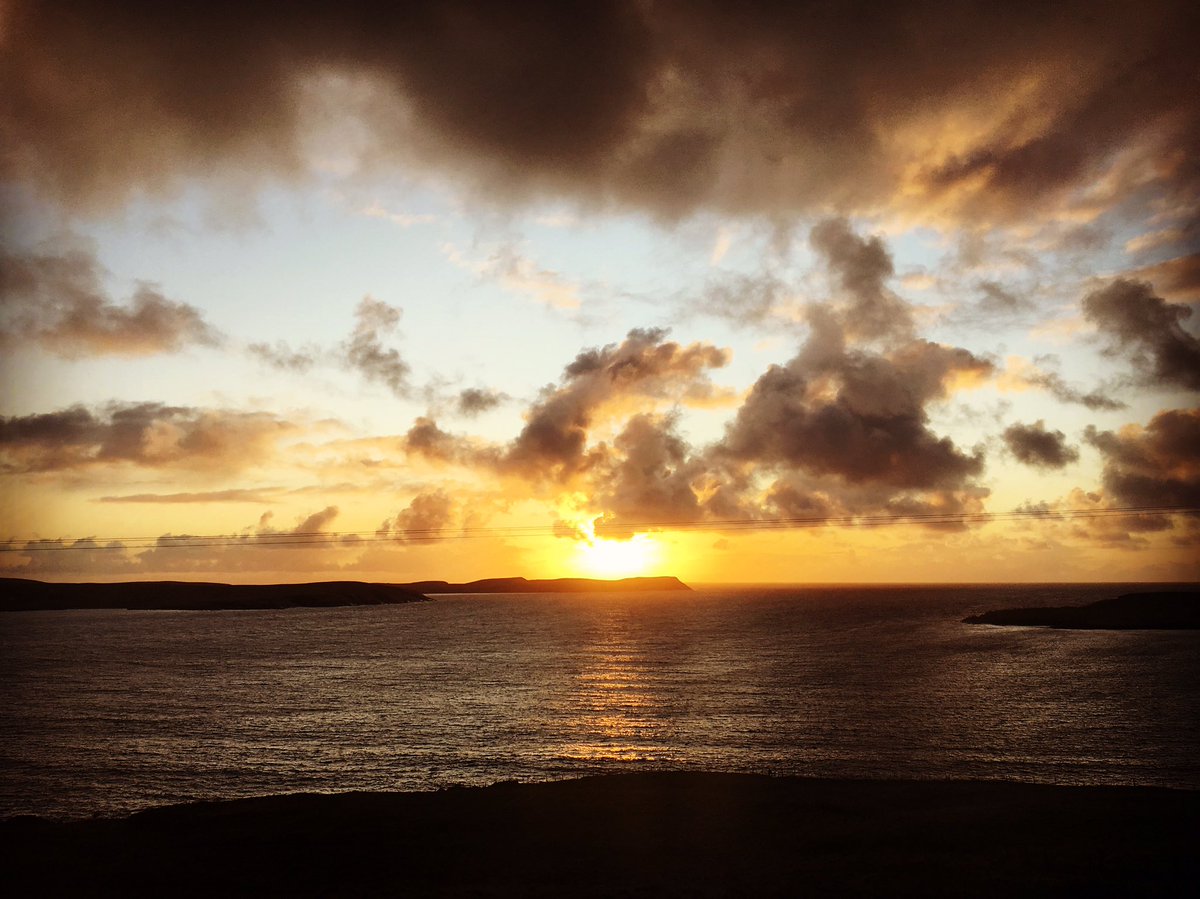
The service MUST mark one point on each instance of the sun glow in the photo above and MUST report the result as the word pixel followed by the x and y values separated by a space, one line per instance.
pixel 617 558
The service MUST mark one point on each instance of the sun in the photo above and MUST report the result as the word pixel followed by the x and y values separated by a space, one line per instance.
pixel 617 558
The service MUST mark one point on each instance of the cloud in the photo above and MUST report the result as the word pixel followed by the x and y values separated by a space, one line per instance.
pixel 841 429
pixel 233 495
pixel 649 476
pixel 992 111
pixel 403 219
pixel 305 547
pixel 740 298
pixel 149 435
pixel 475 400
pixel 861 267
pixel 645 366
pixel 519 274
pixel 856 416
pixel 58 301
pixel 283 357
pixel 1149 330
pixel 1158 465
pixel 1021 374
pixel 1146 472
pixel 1036 447
pixel 426 519
pixel 1178 278
pixel 364 349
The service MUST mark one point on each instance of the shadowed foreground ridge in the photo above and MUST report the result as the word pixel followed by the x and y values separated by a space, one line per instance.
pixel 1179 610
pixel 22 595
pixel 645 834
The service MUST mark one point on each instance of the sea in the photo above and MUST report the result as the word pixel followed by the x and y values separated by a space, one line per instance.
pixel 107 712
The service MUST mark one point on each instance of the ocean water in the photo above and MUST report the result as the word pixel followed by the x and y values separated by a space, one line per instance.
pixel 106 712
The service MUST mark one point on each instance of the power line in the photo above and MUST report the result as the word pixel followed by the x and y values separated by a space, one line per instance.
pixel 601 529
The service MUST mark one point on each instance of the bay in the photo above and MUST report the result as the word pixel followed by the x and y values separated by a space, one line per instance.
pixel 105 712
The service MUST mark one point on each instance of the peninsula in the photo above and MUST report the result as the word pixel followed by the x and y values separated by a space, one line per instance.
pixel 23 595
pixel 1166 610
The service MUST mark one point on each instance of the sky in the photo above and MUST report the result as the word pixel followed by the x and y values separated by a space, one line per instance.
pixel 790 292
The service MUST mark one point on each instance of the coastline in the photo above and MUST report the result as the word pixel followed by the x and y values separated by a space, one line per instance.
pixel 650 833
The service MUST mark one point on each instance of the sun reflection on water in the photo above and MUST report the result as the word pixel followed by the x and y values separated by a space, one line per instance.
pixel 617 700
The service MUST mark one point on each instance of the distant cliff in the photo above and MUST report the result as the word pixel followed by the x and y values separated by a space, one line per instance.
pixel 553 585
pixel 1133 611
pixel 17 595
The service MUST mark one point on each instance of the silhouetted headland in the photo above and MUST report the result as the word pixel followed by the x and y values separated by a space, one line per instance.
pixel 1132 611
pixel 23 595
pixel 20 595
pixel 642 834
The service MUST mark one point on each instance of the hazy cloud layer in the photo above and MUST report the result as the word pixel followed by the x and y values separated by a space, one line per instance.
pixel 150 435
pixel 259 495
pixel 281 356
pixel 1021 375
pixel 984 110
pixel 58 301
pixel 1037 447
pixel 1149 330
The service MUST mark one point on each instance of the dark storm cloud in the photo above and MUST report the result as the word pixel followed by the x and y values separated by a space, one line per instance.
pixel 746 108
pixel 1037 447
pixel 1148 329
pixel 1155 466
pixel 58 301
pixel 364 349
pixel 150 435
pixel 863 420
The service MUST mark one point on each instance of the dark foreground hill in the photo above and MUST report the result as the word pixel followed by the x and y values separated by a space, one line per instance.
pixel 648 834
pixel 1133 611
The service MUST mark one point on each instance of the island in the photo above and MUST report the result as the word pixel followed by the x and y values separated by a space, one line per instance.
pixel 24 595
pixel 1162 610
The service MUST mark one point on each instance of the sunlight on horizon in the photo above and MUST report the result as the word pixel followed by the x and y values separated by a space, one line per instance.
pixel 599 557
